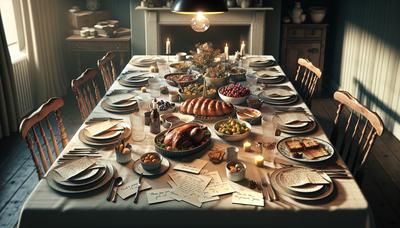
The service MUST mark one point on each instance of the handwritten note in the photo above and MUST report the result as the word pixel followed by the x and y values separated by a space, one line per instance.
pixel 217 189
pixel 301 177
pixel 119 98
pixel 74 168
pixel 247 197
pixel 192 167
pixel 130 188
pixel 100 127
pixel 159 195
pixel 215 177
pixel 293 117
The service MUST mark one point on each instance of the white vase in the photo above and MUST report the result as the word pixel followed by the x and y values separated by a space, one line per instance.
pixel 297 13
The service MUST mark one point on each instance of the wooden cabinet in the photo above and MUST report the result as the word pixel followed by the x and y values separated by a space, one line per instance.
pixel 305 41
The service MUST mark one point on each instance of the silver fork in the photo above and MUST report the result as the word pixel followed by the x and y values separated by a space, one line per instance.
pixel 274 195
pixel 265 184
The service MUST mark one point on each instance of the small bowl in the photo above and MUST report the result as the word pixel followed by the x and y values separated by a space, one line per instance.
pixel 232 100
pixel 235 137
pixel 152 165
pixel 217 82
pixel 317 14
pixel 254 102
pixel 174 69
pixel 239 75
pixel 235 176
pixel 253 117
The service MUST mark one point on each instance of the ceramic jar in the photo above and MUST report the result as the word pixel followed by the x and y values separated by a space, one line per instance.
pixel 297 14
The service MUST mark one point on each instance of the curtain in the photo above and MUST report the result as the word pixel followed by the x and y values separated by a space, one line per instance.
pixel 44 47
pixel 8 104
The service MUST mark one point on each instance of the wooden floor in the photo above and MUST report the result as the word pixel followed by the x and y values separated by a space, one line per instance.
pixel 381 184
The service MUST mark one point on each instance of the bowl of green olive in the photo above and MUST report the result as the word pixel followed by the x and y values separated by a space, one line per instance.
pixel 232 130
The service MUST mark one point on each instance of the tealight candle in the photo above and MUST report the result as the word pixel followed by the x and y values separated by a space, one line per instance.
pixel 259 160
pixel 247 147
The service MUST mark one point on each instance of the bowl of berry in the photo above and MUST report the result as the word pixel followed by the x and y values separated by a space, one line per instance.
pixel 165 106
pixel 234 93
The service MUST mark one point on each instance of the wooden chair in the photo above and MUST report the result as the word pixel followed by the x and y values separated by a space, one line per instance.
pixel 306 80
pixel 108 69
pixel 86 92
pixel 355 131
pixel 29 131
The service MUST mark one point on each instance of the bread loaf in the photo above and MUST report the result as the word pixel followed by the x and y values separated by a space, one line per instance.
pixel 206 107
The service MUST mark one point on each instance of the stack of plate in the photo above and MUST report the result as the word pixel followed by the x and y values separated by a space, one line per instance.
pixel 270 75
pixel 261 62
pixel 135 80
pixel 304 123
pixel 290 182
pixel 278 96
pixel 144 61
pixel 120 103
pixel 86 181
pixel 111 136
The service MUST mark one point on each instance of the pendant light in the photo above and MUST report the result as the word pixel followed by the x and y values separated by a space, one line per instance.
pixel 200 8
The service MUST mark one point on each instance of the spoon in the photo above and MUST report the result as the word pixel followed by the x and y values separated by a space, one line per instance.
pixel 118 182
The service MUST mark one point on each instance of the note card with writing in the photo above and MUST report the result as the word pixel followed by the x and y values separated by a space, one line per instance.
pixel 130 188
pixel 75 167
pixel 159 195
pixel 217 189
pixel 247 197
pixel 192 167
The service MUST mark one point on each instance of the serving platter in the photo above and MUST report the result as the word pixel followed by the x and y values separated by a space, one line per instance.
pixel 181 153
pixel 282 149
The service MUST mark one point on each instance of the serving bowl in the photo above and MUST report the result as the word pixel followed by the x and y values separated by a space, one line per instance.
pixel 151 161
pixel 238 175
pixel 250 115
pixel 232 137
pixel 217 82
pixel 179 67
pixel 177 83
pixel 317 14
pixel 232 100
pixel 237 74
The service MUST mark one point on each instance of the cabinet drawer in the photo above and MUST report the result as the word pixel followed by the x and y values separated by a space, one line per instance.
pixel 296 32
pixel 313 33
pixel 308 33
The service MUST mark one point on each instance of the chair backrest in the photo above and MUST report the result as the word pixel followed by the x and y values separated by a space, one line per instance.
pixel 355 130
pixel 306 79
pixel 40 121
pixel 86 91
pixel 108 69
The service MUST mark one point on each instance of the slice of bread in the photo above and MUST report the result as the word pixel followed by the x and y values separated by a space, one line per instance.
pixel 310 143
pixel 315 153
pixel 294 145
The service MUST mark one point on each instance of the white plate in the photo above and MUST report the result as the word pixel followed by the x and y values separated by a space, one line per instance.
pixel 282 149
pixel 74 190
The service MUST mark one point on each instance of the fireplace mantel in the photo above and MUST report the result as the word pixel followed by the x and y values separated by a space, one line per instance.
pixel 253 17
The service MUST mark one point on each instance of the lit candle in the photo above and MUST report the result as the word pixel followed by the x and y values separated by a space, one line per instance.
pixel 242 47
pixel 153 69
pixel 168 47
pixel 247 147
pixel 259 160
pixel 226 51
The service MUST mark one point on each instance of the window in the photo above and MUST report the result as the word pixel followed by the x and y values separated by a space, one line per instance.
pixel 10 11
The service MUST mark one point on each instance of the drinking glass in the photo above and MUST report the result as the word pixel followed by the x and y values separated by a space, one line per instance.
pixel 251 81
pixel 163 68
pixel 269 139
pixel 137 119
pixel 154 86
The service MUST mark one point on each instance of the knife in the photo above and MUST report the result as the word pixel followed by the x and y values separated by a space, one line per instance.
pixel 272 190
pixel 135 200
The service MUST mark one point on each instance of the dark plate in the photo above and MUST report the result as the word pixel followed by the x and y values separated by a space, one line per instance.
pixel 182 153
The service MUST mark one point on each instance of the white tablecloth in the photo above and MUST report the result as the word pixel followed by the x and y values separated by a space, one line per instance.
pixel 47 208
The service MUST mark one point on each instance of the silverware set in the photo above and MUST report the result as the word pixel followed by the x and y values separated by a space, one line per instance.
pixel 270 191
pixel 112 192
pixel 79 152
pixel 135 200
pixel 100 119
pixel 337 173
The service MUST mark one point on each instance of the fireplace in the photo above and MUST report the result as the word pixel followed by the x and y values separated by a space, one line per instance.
pixel 232 27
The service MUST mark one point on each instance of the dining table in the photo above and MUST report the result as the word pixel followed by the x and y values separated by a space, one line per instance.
pixel 346 207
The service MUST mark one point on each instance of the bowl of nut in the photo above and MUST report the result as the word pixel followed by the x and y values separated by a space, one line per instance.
pixel 237 74
pixel 234 93
pixel 151 161
pixel 232 130
pixel 235 170
pixel 179 67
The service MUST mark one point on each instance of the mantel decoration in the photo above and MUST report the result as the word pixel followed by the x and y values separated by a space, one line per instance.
pixel 199 23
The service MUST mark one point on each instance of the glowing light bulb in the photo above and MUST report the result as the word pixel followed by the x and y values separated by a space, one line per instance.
pixel 200 23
